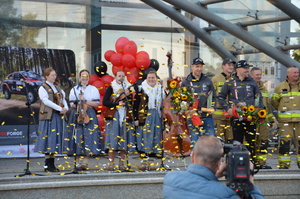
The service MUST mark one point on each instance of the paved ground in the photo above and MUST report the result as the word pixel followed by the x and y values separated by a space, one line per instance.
pixel 11 167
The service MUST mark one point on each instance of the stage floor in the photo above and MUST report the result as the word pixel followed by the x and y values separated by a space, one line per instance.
pixel 10 167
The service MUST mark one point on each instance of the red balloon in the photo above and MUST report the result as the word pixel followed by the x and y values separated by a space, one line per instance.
pixel 142 62
pixel 116 59
pixel 100 86
pixel 128 60
pixel 126 70
pixel 101 122
pixel 115 69
pixel 142 53
pixel 107 79
pixel 120 44
pixel 130 48
pixel 132 75
pixel 93 78
pixel 108 54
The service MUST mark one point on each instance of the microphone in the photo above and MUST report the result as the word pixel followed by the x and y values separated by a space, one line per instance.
pixel 71 79
pixel 121 80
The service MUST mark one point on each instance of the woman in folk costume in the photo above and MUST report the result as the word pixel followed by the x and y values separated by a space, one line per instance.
pixel 148 119
pixel 83 136
pixel 51 119
pixel 118 128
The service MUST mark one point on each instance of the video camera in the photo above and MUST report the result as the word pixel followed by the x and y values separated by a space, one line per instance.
pixel 238 168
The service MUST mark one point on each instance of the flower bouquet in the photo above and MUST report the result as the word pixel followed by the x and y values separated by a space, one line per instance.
pixel 182 100
pixel 249 113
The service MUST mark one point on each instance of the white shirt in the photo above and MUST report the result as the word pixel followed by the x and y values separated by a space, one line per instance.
pixel 43 94
pixel 90 93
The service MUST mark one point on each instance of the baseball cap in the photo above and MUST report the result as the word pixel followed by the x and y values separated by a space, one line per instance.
pixel 197 61
pixel 242 64
pixel 227 61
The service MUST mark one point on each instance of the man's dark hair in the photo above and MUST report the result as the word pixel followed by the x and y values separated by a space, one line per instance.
pixel 254 68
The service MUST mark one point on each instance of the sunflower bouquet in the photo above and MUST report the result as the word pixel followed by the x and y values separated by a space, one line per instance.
pixel 182 97
pixel 250 113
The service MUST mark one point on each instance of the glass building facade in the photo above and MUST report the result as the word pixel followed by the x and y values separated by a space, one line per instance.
pixel 91 27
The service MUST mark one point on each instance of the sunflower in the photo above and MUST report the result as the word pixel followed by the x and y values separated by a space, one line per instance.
pixel 262 113
pixel 251 109
pixel 184 89
pixel 173 84
pixel 176 94
pixel 245 108
pixel 184 97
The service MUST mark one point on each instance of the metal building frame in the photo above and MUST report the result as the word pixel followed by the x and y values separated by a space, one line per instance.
pixel 238 30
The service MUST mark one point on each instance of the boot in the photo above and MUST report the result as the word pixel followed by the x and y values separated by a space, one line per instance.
pixel 151 164
pixel 49 165
pixel 143 165
pixel 111 166
pixel 284 165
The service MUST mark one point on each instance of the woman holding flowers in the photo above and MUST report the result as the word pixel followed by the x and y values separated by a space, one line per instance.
pixel 148 119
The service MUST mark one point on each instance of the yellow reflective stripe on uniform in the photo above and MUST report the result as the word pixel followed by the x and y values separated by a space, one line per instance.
pixel 284 158
pixel 221 83
pixel 261 157
pixel 275 95
pixel 219 89
pixel 218 112
pixel 281 115
pixel 290 94
pixel 265 94
pixel 298 158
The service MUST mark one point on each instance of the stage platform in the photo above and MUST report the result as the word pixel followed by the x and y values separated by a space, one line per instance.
pixel 99 183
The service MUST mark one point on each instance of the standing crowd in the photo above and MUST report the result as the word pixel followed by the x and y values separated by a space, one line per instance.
pixel 135 120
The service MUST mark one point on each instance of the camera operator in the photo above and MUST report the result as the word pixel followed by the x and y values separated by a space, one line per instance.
pixel 200 180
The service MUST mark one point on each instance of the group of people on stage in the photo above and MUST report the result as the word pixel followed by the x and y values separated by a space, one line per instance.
pixel 131 125
pixel 134 120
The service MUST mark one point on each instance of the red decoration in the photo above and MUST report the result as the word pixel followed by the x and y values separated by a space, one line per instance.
pixel 101 122
pixel 116 59
pixel 120 44
pixel 142 62
pixel 108 54
pixel 128 60
pixel 142 53
pixel 100 86
pixel 196 120
pixel 132 75
pixel 107 79
pixel 130 48
pixel 93 78
pixel 115 69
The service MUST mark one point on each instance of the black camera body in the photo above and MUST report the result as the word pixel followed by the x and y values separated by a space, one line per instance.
pixel 238 168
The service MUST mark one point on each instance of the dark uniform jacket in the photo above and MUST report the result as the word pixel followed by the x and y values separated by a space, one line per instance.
pixel 202 87
pixel 240 91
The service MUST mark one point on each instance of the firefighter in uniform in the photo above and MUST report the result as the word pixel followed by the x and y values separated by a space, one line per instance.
pixel 286 101
pixel 262 131
pixel 241 90
pixel 222 124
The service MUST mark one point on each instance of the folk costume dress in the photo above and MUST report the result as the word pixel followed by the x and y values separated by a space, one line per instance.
pixel 147 109
pixel 51 122
pixel 119 130
pixel 83 139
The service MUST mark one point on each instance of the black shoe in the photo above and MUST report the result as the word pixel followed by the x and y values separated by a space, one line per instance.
pixel 49 165
pixel 284 167
pixel 298 163
pixel 264 166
